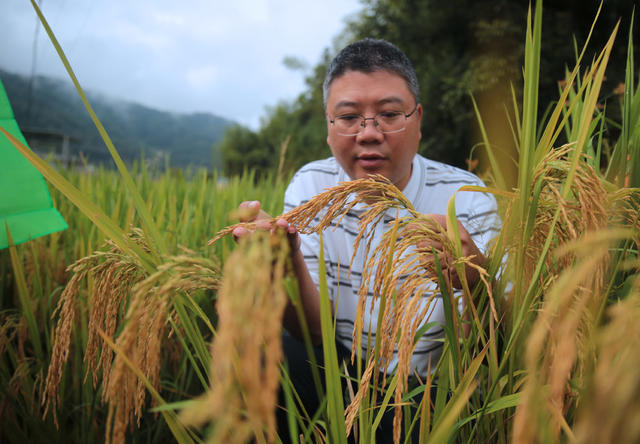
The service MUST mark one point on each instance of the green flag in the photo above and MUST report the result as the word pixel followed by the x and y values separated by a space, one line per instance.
pixel 25 203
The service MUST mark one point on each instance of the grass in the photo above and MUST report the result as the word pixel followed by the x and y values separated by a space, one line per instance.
pixel 83 362
pixel 546 349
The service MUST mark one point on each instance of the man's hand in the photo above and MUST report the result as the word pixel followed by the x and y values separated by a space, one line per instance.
pixel 469 249
pixel 250 211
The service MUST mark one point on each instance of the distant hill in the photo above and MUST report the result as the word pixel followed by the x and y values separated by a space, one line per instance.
pixel 56 106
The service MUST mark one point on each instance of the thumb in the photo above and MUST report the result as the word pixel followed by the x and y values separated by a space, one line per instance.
pixel 247 211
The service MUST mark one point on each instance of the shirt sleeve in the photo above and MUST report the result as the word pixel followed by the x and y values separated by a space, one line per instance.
pixel 294 196
pixel 483 222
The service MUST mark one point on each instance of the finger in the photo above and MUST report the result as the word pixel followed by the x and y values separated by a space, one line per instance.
pixel 282 223
pixel 263 215
pixel 248 211
pixel 429 244
pixel 250 204
pixel 239 232
pixel 263 224
pixel 292 233
pixel 439 219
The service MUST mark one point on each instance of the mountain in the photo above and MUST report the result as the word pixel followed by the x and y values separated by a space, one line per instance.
pixel 56 107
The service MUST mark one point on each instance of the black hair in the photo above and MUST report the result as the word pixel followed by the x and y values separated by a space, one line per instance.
pixel 369 55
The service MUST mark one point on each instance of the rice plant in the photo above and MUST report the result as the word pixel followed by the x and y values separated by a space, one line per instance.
pixel 151 319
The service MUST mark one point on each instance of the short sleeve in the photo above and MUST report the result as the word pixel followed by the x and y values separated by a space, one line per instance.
pixel 309 243
pixel 483 221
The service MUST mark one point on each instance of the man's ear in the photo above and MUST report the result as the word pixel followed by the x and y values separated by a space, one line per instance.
pixel 328 128
pixel 419 111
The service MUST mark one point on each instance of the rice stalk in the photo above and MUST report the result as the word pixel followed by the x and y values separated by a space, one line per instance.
pixel 611 408
pixel 140 342
pixel 586 209
pixel 406 277
pixel 558 349
pixel 528 272
pixel 118 277
pixel 246 351
pixel 65 310
pixel 180 432
pixel 334 203
pixel 400 278
pixel 145 336
pixel 283 155
pixel 157 245
pixel 626 211
pixel 114 274
pixel 8 330
pixel 113 280
pixel 22 379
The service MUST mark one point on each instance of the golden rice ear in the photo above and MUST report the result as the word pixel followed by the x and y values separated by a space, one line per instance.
pixel 587 209
pixel 378 195
pixel 559 346
pixel 377 192
pixel 114 274
pixel 247 350
pixel 611 406
pixel 62 339
pixel 145 334
pixel 117 276
pixel 406 301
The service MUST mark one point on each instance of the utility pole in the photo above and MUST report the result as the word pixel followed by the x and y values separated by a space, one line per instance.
pixel 34 59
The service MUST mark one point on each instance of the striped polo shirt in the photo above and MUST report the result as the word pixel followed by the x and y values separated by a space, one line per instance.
pixel 429 189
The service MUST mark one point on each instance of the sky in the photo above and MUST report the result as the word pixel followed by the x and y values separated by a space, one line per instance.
pixel 219 56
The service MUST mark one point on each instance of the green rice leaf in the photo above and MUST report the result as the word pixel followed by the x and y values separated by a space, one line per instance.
pixel 335 404
pixel 141 208
pixel 79 199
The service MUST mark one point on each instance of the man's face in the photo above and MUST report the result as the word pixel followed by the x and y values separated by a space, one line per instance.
pixel 373 152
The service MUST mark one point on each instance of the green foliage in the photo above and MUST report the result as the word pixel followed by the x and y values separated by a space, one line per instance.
pixel 459 49
pixel 464 48
pixel 188 211
pixel 520 375
pixel 242 149
pixel 302 121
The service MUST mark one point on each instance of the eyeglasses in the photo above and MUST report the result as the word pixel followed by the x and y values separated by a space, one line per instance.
pixel 386 122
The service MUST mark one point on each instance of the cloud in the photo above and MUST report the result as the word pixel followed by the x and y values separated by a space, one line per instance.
pixel 202 77
pixel 129 34
pixel 197 55
pixel 168 19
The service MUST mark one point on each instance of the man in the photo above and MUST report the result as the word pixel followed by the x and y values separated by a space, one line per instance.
pixel 373 117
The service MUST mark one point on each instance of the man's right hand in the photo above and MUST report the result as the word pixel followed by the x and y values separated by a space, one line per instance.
pixel 250 211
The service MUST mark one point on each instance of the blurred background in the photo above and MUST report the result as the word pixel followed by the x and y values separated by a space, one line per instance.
pixel 223 85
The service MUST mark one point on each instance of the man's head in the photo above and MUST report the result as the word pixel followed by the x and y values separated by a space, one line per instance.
pixel 369 55
pixel 373 115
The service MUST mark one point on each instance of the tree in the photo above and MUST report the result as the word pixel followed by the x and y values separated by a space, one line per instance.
pixel 460 49
pixel 242 148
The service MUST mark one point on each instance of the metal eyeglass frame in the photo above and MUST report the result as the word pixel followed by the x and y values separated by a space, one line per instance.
pixel 363 123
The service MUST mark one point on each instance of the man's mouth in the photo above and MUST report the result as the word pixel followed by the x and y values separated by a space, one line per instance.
pixel 370 161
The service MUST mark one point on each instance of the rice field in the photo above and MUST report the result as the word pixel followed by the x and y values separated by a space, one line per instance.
pixel 145 322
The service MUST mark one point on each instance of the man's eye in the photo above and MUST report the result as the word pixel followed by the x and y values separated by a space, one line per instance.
pixel 390 114
pixel 349 117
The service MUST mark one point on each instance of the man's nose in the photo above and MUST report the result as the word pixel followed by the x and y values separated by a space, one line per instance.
pixel 370 130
